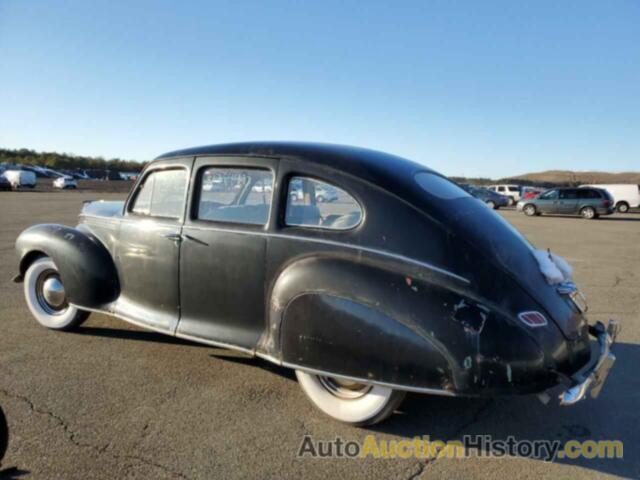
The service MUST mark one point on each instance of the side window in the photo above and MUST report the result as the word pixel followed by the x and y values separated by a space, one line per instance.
pixel 550 195
pixel 162 194
pixel 235 195
pixel 568 194
pixel 587 193
pixel 312 203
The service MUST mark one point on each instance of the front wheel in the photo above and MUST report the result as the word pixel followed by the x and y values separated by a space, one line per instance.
pixel 492 205
pixel 47 299
pixel 529 210
pixel 350 401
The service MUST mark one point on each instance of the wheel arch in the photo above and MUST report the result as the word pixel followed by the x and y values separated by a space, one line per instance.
pixel 85 265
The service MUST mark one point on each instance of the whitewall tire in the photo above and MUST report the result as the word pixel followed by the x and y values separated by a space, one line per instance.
pixel 350 402
pixel 46 298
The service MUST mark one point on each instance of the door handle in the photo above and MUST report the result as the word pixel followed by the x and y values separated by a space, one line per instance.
pixel 176 237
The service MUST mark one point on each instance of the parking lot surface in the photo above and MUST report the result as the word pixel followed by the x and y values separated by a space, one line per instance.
pixel 113 401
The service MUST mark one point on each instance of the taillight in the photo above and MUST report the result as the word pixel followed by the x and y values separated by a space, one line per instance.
pixel 533 319
pixel 606 203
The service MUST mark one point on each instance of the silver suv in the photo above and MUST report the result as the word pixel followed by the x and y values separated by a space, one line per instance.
pixel 588 202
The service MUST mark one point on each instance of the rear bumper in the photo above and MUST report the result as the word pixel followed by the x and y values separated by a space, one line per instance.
pixel 592 378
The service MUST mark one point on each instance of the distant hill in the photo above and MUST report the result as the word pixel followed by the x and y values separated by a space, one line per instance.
pixel 552 178
pixel 568 177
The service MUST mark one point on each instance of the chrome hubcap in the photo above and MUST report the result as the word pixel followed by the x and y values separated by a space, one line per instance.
pixel 50 292
pixel 346 389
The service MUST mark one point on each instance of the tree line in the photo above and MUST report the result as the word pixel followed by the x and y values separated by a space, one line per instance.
pixel 57 161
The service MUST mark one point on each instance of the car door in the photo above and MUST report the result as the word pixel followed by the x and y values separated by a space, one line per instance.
pixel 224 242
pixel 547 202
pixel 567 201
pixel 148 247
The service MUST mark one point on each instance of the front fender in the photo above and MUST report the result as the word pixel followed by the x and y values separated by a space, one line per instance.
pixel 85 265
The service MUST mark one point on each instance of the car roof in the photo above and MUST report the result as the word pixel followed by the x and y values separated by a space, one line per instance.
pixel 374 166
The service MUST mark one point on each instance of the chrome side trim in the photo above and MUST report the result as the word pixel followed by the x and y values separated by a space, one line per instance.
pixel 213 343
pixel 254 353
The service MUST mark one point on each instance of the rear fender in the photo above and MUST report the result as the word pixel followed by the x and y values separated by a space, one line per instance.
pixel 324 317
pixel 85 265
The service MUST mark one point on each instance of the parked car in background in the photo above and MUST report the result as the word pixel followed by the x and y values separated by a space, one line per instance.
pixel 20 178
pixel 4 183
pixel 625 195
pixel 510 191
pixel 590 203
pixel 530 192
pixel 489 197
pixel 450 299
pixel 65 182
pixel 326 193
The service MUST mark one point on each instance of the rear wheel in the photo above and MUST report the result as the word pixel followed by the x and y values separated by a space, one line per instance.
pixel 588 212
pixel 491 204
pixel 350 401
pixel 622 207
pixel 47 299
pixel 529 210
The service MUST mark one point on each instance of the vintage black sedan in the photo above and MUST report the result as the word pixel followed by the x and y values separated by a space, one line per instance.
pixel 403 282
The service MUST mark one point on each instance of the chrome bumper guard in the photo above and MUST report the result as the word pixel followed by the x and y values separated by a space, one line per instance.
pixel 593 378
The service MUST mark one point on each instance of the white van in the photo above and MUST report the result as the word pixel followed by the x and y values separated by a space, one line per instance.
pixel 20 178
pixel 625 195
pixel 511 191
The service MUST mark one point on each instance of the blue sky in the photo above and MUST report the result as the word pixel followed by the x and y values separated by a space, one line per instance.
pixel 490 88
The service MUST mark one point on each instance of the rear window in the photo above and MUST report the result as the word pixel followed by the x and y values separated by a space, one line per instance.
pixel 439 186
pixel 514 189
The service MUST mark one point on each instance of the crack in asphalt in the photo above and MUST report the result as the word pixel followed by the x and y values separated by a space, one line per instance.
pixel 476 417
pixel 71 436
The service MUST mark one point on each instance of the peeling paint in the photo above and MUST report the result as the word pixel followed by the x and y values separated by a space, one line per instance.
pixel 509 373
pixel 467 363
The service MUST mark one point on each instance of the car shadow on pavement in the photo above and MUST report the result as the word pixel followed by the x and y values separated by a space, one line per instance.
pixel 614 415
pixel 255 362
pixel 12 473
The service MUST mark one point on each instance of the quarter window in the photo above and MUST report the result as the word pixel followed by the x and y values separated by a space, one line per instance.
pixel 312 203
pixel 162 194
pixel 235 195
